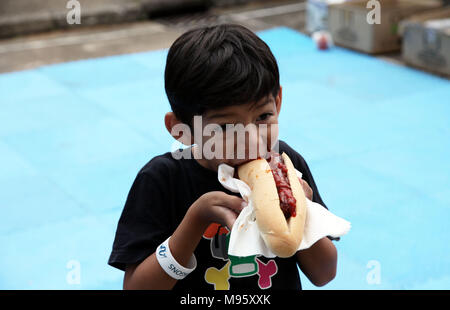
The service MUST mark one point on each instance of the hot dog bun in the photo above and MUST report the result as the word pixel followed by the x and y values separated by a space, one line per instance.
pixel 282 237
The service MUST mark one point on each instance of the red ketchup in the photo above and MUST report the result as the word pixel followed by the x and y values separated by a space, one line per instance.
pixel 279 171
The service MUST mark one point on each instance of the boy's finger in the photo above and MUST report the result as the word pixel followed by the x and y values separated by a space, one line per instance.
pixel 227 217
pixel 234 203
pixel 229 220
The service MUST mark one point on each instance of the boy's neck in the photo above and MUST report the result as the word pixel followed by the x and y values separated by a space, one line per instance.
pixel 202 162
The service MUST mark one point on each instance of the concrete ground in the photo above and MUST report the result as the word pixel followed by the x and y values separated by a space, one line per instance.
pixel 18 17
pixel 137 35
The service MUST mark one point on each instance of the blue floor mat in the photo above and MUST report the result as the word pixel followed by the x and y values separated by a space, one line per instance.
pixel 375 135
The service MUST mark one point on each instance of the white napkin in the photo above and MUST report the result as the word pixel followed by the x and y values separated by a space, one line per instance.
pixel 245 238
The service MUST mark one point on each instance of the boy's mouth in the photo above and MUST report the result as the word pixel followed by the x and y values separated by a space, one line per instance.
pixel 236 163
pixel 239 162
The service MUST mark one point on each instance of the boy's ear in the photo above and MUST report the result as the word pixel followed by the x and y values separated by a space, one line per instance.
pixel 178 130
pixel 278 100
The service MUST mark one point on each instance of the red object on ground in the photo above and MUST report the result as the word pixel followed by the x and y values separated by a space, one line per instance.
pixel 322 43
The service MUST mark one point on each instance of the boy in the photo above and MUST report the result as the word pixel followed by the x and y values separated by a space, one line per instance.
pixel 214 76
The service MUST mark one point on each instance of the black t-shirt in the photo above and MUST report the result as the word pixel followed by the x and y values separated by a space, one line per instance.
pixel 161 194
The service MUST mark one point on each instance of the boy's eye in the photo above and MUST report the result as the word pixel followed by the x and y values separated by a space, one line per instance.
pixel 264 116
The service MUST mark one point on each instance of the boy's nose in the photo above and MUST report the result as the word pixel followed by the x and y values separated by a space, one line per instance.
pixel 249 144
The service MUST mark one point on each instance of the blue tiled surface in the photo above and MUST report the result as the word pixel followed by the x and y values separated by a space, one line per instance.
pixel 375 135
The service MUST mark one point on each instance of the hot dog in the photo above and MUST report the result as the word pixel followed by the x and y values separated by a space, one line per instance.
pixel 278 201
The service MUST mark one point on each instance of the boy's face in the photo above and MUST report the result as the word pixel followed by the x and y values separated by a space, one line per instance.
pixel 236 134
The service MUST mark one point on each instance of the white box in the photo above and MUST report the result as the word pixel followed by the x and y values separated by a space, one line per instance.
pixel 426 41
pixel 317 14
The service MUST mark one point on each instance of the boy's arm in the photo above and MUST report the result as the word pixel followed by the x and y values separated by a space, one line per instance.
pixel 319 262
pixel 149 274
pixel 211 207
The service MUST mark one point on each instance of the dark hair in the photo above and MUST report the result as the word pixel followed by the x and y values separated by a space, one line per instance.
pixel 217 66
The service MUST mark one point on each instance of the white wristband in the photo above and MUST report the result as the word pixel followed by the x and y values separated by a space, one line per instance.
pixel 170 265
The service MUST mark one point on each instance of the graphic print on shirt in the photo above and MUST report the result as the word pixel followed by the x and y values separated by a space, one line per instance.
pixel 219 278
pixel 236 267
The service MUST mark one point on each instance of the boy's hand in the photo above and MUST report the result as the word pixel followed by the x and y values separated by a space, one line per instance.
pixel 307 189
pixel 211 207
pixel 218 207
